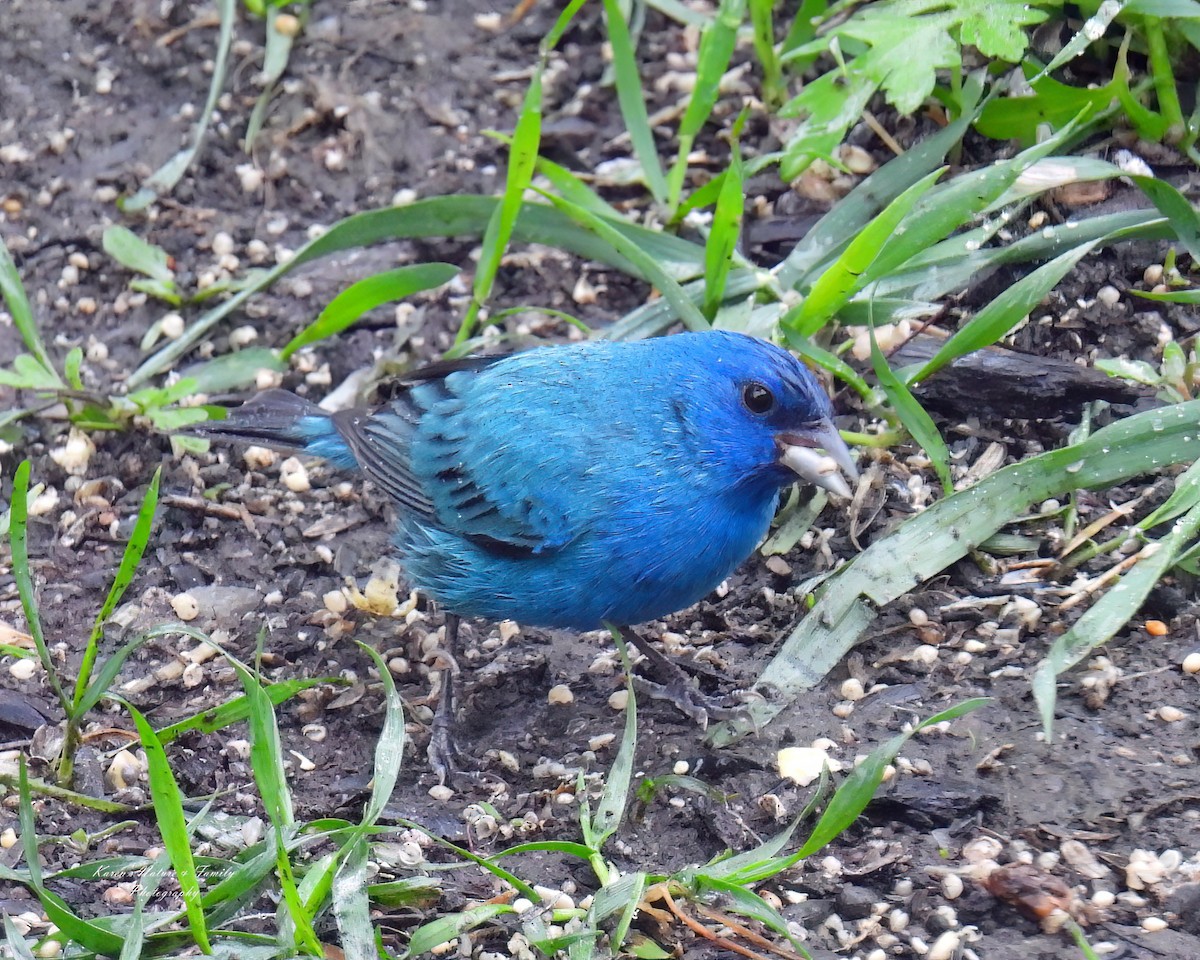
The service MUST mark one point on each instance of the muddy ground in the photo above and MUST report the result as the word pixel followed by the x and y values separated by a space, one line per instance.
pixel 389 97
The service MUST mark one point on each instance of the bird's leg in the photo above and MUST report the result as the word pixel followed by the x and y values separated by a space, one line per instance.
pixel 677 687
pixel 441 751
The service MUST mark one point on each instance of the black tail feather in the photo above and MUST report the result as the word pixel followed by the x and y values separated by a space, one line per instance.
pixel 273 418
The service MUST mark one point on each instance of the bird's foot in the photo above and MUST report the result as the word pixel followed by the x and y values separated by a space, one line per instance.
pixel 678 688
pixel 690 700
pixel 445 759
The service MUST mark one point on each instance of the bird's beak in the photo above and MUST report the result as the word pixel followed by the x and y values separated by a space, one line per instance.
pixel 817 454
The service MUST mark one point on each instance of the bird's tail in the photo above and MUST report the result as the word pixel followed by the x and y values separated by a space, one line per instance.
pixel 277 418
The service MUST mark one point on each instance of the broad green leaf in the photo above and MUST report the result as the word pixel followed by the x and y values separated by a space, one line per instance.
pixel 945 532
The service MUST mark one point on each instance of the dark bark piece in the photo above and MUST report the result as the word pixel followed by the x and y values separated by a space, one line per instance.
pixel 996 383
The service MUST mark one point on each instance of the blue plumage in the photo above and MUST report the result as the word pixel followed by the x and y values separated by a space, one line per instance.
pixel 574 485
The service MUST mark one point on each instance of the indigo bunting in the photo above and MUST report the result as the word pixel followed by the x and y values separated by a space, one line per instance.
pixel 580 485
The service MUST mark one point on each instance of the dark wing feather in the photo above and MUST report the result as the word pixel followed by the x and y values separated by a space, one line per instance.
pixel 381 441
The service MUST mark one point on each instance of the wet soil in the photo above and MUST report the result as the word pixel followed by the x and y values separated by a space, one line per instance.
pixel 388 97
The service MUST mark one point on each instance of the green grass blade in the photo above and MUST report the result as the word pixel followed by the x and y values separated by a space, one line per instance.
pixel 1000 316
pixel 827 361
pixel 136 254
pixel 945 532
pixel 859 788
pixel 22 575
pixel 610 811
pixel 448 216
pixel 105 676
pixel 651 319
pixel 163 179
pixel 644 261
pixel 763 19
pixel 1110 613
pixel 18 305
pixel 916 421
pixel 717 43
pixel 351 908
pixel 266 752
pixel 134 933
pixel 836 229
pixel 238 709
pixel 90 935
pixel 723 236
pixel 448 927
pixel 172 824
pixel 389 750
pixel 366 294
pixel 845 277
pixel 16 942
pixel 275 60
pixel 522 158
pixel 130 560
pixel 633 106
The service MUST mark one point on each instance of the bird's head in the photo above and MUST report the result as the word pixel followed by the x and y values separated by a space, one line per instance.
pixel 764 415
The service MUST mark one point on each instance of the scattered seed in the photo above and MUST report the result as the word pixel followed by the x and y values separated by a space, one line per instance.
pixel 856 159
pixel 1104 899
pixel 508 629
pixel 778 566
pixel 1171 714
pixel 601 741
pixel 193 676
pixel 842 710
pixel 801 765
pixel 1156 628
pixel 258 458
pixel 1154 924
pixel 74 455
pixel 8 839
pixel 51 948
pixel 560 695
pixel 924 654
pixel 172 326
pixel 316 732
pixel 23 669
pixel 852 690
pixel 287 25
pixel 982 848
pixel 1153 274
pixel 185 606
pixel 118 895
pixel 123 771
pixel 918 617
pixel 1108 295
pixel 952 886
pixel 294 475
pixel 243 336
pixel 681 767
pixel 1191 663
pixel 945 947
pixel 619 699
pixel 305 763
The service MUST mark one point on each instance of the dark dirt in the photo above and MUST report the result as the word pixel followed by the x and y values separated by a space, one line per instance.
pixel 404 93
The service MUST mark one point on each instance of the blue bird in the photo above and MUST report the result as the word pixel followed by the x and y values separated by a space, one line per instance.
pixel 580 485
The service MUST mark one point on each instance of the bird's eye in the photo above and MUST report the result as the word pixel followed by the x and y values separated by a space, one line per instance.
pixel 758 398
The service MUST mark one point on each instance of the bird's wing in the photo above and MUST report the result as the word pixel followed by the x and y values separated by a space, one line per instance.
pixel 455 450
pixel 502 453
pixel 381 440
